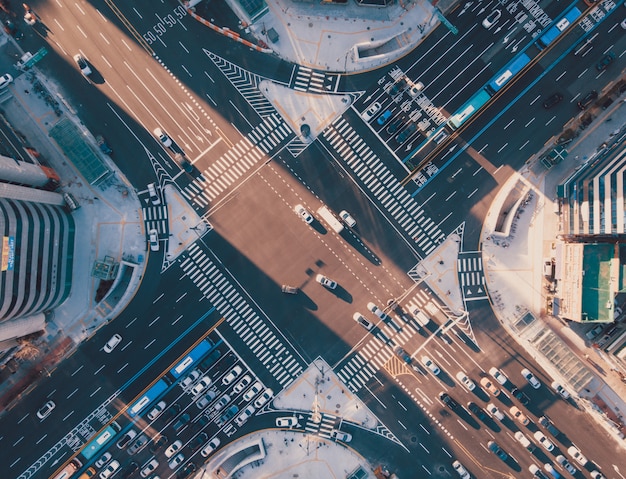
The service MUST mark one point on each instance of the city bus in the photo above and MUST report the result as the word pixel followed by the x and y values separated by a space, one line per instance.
pixel 468 109
pixel 557 28
pixel 101 440
pixel 194 356
pixel 151 394
pixel 508 72
pixel 330 218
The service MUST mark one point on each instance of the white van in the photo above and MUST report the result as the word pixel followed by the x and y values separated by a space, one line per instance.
pixel 154 198
pixel 421 318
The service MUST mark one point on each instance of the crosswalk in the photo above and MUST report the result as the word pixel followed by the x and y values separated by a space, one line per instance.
pixel 270 349
pixel 324 427
pixel 155 217
pixel 385 187
pixel 308 80
pixel 270 133
pixel 471 275
pixel 359 368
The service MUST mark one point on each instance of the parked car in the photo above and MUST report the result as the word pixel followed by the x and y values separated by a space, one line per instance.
pixel 198 441
pixel 138 444
pixel 587 100
pixel 426 361
pixel 465 381
pixel 530 377
pixel 544 441
pixel 545 422
pixel 149 468
pixel 566 465
pixel 594 332
pixel 158 444
pixel 232 375
pixel 242 384
pixel 210 447
pixel 325 281
pixel 448 401
pixel 489 386
pixel 493 447
pixel 111 469
pixel 519 415
pixel 560 390
pixel 253 391
pixel 520 396
pixel 347 218
pixel 382 119
pixel 362 321
pixel 267 395
pixel 368 114
pixel 126 438
pixel 5 80
pixel 523 440
pixel 228 415
pixel 477 410
pixel 173 448
pixel 495 412
pixel 460 470
pixel 176 461
pixel 498 376
pixel 245 415
pixel 181 422
pixel 577 455
pixel 201 385
pixel 191 378
pixel 102 460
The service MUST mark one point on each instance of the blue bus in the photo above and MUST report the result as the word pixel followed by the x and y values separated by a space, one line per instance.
pixel 503 76
pixel 194 355
pixel 468 109
pixel 557 28
pixel 151 394
pixel 101 440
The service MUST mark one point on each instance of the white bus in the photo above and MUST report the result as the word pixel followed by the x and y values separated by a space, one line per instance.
pixel 330 218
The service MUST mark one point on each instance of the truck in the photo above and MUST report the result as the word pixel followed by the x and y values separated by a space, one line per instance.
pixel 330 219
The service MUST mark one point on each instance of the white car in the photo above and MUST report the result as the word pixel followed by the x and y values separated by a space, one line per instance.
pixel 362 321
pixel 377 311
pixel 241 385
pixel 112 343
pixel 201 385
pixel 560 390
pixel 150 467
pixel 544 441
pixel 253 391
pixel 302 212
pixel 83 66
pixel 174 463
pixel 577 455
pixel 461 471
pixel 110 470
pixel 416 88
pixel 325 281
pixel 368 114
pixel 157 410
pixel 190 379
pixel 45 410
pixel 232 375
pixel 598 474
pixel 491 19
pixel 566 465
pixel 173 448
pixel 286 421
pixel 267 395
pixel 5 80
pixel 522 439
pixel 495 412
pixel 340 435
pixel 498 376
pixel 347 218
pixel 223 401
pixel 465 381
pixel 245 415
pixel 106 457
pixel 532 380
pixel 153 240
pixel 426 361
pixel 165 140
pixel 210 447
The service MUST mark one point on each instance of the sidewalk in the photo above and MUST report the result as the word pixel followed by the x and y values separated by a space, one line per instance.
pixel 108 223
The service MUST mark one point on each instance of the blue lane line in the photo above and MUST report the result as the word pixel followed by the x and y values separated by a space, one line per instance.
pixel 511 104
pixel 162 353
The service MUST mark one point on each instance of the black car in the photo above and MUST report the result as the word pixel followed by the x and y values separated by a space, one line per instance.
pixel 605 61
pixel 180 423
pixel 198 441
pixel 187 470
pixel 158 444
pixel 200 423
pixel 545 422
pixel 173 411
pixel 520 396
pixel 588 99
pixel 552 100
pixel 130 470
pixel 391 129
pixel 448 401
pixel 477 410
